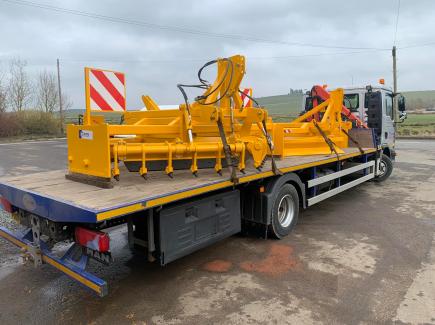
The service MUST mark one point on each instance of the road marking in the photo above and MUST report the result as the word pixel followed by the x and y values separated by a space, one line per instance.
pixel 30 142
pixel 414 142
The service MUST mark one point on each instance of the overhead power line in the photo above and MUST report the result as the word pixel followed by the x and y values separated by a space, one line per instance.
pixel 178 29
pixel 417 45
pixel 205 59
pixel 397 23
pixel 178 60
pixel 396 29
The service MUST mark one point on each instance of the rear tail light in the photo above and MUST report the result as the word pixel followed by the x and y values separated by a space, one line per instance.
pixel 92 239
pixel 5 205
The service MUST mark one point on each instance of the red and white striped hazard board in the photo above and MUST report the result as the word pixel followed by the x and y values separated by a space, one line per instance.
pixel 105 90
pixel 247 102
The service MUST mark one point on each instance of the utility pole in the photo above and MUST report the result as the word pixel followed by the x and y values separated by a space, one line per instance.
pixel 394 84
pixel 60 97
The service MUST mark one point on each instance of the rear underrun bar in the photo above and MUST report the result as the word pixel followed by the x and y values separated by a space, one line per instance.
pixel 73 267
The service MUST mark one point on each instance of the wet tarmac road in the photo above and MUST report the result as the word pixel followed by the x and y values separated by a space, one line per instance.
pixel 364 256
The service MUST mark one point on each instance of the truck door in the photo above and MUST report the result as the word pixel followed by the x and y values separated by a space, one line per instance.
pixel 388 132
pixel 380 116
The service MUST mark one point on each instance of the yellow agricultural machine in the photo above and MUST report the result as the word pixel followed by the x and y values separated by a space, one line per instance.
pixel 213 131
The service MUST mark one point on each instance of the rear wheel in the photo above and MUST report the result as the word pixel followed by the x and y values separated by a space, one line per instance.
pixel 385 168
pixel 285 211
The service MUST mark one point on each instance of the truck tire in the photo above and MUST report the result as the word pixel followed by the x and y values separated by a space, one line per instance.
pixel 385 168
pixel 285 211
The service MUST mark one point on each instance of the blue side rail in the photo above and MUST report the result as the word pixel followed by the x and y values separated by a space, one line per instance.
pixel 73 263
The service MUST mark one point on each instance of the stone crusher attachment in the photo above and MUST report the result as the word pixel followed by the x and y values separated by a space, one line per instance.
pixel 214 131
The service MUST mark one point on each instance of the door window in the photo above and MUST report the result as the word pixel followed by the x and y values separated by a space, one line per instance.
pixel 389 105
pixel 351 101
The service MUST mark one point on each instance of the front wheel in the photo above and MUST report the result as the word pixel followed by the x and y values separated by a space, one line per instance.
pixel 385 168
pixel 285 211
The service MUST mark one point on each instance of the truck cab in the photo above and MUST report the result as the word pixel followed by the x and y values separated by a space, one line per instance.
pixel 374 106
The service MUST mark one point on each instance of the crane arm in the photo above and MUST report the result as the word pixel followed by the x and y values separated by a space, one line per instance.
pixel 320 92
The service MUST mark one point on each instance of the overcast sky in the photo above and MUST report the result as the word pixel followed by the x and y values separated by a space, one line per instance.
pixel 155 60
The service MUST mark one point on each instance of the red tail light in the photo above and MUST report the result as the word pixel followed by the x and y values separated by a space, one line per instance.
pixel 95 240
pixel 5 205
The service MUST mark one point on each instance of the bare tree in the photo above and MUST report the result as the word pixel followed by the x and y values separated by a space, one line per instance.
pixel 47 95
pixel 3 96
pixel 67 103
pixel 20 89
pixel 3 99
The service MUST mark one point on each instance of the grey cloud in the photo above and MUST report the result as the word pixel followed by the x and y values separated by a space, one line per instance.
pixel 155 60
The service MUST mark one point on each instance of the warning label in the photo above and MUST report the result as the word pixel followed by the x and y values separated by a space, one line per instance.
pixel 86 134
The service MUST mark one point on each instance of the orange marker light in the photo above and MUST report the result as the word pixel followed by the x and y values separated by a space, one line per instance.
pixel 262 189
pixel 382 81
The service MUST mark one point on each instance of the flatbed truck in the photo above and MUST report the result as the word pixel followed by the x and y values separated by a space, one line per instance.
pixel 172 217
pixel 169 218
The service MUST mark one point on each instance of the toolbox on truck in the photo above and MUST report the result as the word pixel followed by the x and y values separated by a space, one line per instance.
pixel 188 227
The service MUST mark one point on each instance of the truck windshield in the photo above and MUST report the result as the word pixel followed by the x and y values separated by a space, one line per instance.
pixel 351 101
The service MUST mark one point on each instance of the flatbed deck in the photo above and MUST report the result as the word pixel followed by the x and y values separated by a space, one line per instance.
pixel 51 195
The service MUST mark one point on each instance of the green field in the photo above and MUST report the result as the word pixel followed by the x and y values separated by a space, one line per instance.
pixel 282 105
pixel 72 116
pixel 418 125
pixel 419 99
pixel 420 119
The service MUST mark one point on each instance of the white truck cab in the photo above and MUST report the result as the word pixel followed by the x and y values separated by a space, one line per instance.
pixel 374 106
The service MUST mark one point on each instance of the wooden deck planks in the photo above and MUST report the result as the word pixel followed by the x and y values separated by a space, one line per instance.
pixel 132 187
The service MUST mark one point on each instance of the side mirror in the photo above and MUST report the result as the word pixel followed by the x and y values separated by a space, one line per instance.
pixel 401 106
pixel 401 103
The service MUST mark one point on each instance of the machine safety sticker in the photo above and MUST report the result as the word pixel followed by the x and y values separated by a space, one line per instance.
pixel 86 134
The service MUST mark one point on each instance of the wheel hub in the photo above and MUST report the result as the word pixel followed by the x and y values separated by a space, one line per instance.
pixel 286 209
pixel 382 168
